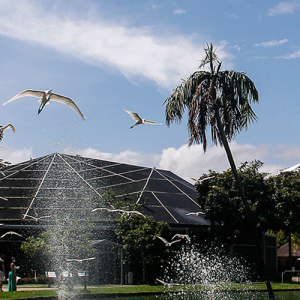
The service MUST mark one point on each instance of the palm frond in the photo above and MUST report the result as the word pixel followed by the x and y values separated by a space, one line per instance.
pixel 205 94
pixel 181 97
pixel 210 58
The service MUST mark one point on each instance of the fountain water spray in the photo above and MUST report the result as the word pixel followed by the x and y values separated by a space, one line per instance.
pixel 212 268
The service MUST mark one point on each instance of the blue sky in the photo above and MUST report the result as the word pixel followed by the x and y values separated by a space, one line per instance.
pixel 111 55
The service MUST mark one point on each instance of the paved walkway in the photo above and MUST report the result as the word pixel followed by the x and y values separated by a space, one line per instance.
pixel 21 288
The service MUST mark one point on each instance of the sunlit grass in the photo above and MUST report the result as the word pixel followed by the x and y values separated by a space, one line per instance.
pixel 134 289
pixel 27 294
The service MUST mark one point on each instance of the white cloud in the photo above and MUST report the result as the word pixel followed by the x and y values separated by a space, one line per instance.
pixel 284 8
pixel 272 43
pixel 187 162
pixel 192 162
pixel 15 156
pixel 292 55
pixel 128 156
pixel 237 47
pixel 135 52
pixel 179 11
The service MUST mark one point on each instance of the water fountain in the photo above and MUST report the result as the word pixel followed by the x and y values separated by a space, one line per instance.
pixel 212 268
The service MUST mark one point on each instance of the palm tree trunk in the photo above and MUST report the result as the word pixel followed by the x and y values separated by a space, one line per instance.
pixel 245 202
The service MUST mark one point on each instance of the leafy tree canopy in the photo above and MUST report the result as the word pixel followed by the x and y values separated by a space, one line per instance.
pixel 286 198
pixel 143 252
pixel 218 195
pixel 67 240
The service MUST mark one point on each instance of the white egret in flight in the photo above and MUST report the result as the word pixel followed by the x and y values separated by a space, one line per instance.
pixel 138 120
pixel 127 212
pixel 182 236
pixel 166 283
pixel 81 260
pixel 200 180
pixel 46 96
pixel 167 243
pixel 10 233
pixel 35 218
pixel 196 213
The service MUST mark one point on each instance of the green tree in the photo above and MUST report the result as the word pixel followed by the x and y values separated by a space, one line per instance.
pixel 219 197
pixel 66 240
pixel 222 101
pixel 283 238
pixel 286 196
pixel 138 235
pixel 143 253
pixel 142 250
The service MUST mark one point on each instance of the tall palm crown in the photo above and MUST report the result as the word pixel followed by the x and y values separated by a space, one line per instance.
pixel 221 99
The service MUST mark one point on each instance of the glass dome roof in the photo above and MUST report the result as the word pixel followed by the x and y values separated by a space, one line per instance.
pixel 60 184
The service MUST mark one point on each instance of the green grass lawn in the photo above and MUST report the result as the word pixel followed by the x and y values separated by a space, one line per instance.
pixel 27 294
pixel 133 289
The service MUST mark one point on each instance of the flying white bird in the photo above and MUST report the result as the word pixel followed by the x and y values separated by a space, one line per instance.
pixel 36 218
pixel 127 212
pixel 200 180
pixel 100 208
pixel 138 120
pixel 11 233
pixel 290 169
pixel 46 96
pixel 2 129
pixel 167 243
pixel 181 236
pixel 166 283
pixel 197 213
pixel 81 260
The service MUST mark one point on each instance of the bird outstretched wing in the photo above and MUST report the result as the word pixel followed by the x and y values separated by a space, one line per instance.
pixel 8 126
pixel 163 239
pixel 136 212
pixel 67 101
pixel 182 236
pixel 26 93
pixel 81 260
pixel 151 122
pixel 100 208
pixel 134 115
pixel 10 233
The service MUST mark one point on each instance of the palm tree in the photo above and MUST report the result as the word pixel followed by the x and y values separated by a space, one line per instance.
pixel 221 100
